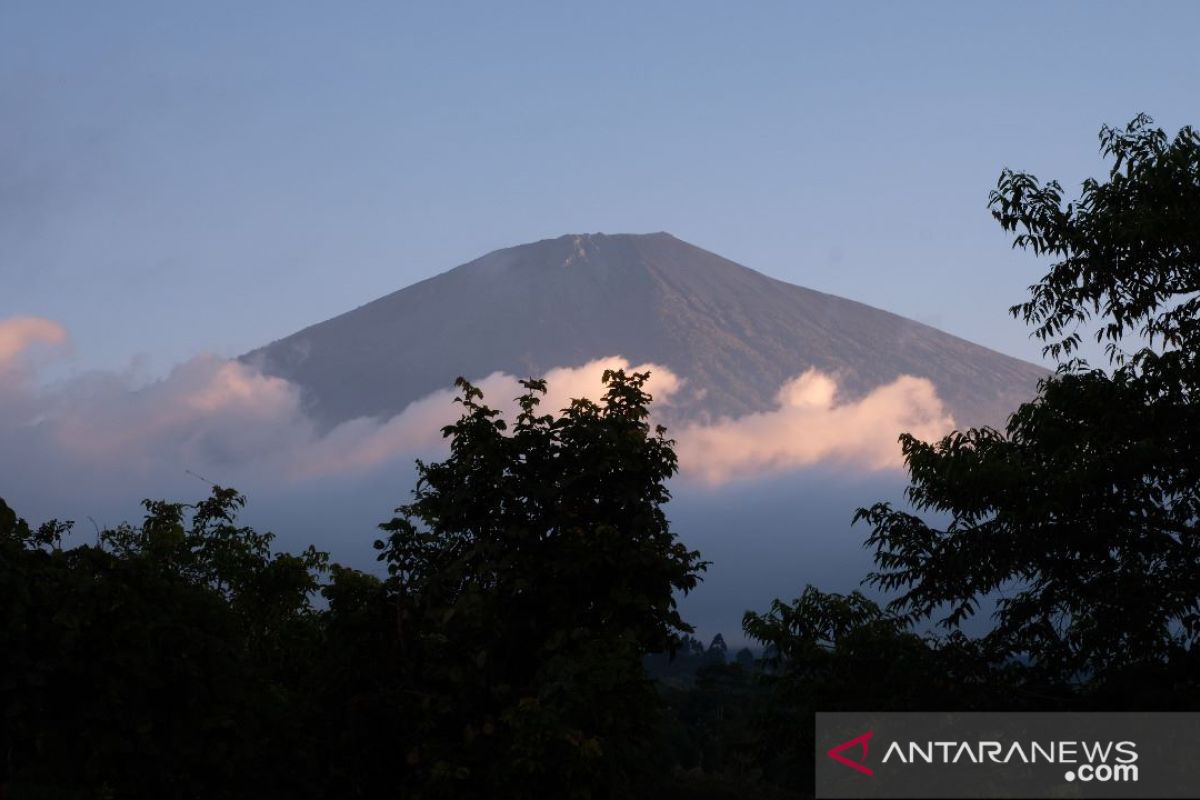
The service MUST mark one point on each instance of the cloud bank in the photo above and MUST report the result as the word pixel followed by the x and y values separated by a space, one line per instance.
pixel 226 420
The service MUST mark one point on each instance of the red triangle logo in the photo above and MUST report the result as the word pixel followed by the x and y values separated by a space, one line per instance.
pixel 858 741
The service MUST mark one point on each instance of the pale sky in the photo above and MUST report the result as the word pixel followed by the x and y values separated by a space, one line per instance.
pixel 206 178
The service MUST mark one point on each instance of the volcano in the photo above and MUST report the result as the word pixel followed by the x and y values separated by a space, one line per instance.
pixel 735 335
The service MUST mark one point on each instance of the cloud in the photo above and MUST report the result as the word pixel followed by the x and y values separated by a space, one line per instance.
pixel 811 426
pixel 99 433
pixel 206 412
pixel 98 430
pixel 363 444
pixel 18 335
pixel 222 419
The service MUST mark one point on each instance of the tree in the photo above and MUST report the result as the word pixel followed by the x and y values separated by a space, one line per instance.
pixel 1081 516
pixel 744 658
pixel 161 662
pixel 531 573
pixel 829 652
pixel 718 650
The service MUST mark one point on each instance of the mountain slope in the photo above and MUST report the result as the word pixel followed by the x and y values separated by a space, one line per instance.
pixel 732 332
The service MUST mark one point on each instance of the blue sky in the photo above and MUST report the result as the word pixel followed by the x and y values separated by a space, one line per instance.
pixel 175 180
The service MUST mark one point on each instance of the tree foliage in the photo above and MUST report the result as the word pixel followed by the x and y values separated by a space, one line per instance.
pixel 159 662
pixel 1081 516
pixel 532 572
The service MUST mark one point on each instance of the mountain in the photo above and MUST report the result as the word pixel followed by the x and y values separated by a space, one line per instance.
pixel 731 332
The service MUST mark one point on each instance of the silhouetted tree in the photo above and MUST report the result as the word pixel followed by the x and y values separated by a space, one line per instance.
pixel 744 658
pixel 1081 516
pixel 531 574
pixel 717 649
pixel 161 662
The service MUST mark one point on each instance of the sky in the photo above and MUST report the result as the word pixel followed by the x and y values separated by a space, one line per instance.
pixel 180 184
pixel 205 178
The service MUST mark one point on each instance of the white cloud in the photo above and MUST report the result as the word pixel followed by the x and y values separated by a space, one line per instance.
pixel 225 419
pixel 810 426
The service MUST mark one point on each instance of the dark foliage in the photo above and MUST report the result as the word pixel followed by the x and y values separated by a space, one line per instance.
pixel 1081 517
pixel 160 662
pixel 530 575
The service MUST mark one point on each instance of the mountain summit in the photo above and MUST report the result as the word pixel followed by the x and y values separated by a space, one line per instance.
pixel 734 334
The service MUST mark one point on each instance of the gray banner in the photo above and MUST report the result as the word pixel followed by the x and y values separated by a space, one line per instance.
pixel 1008 755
